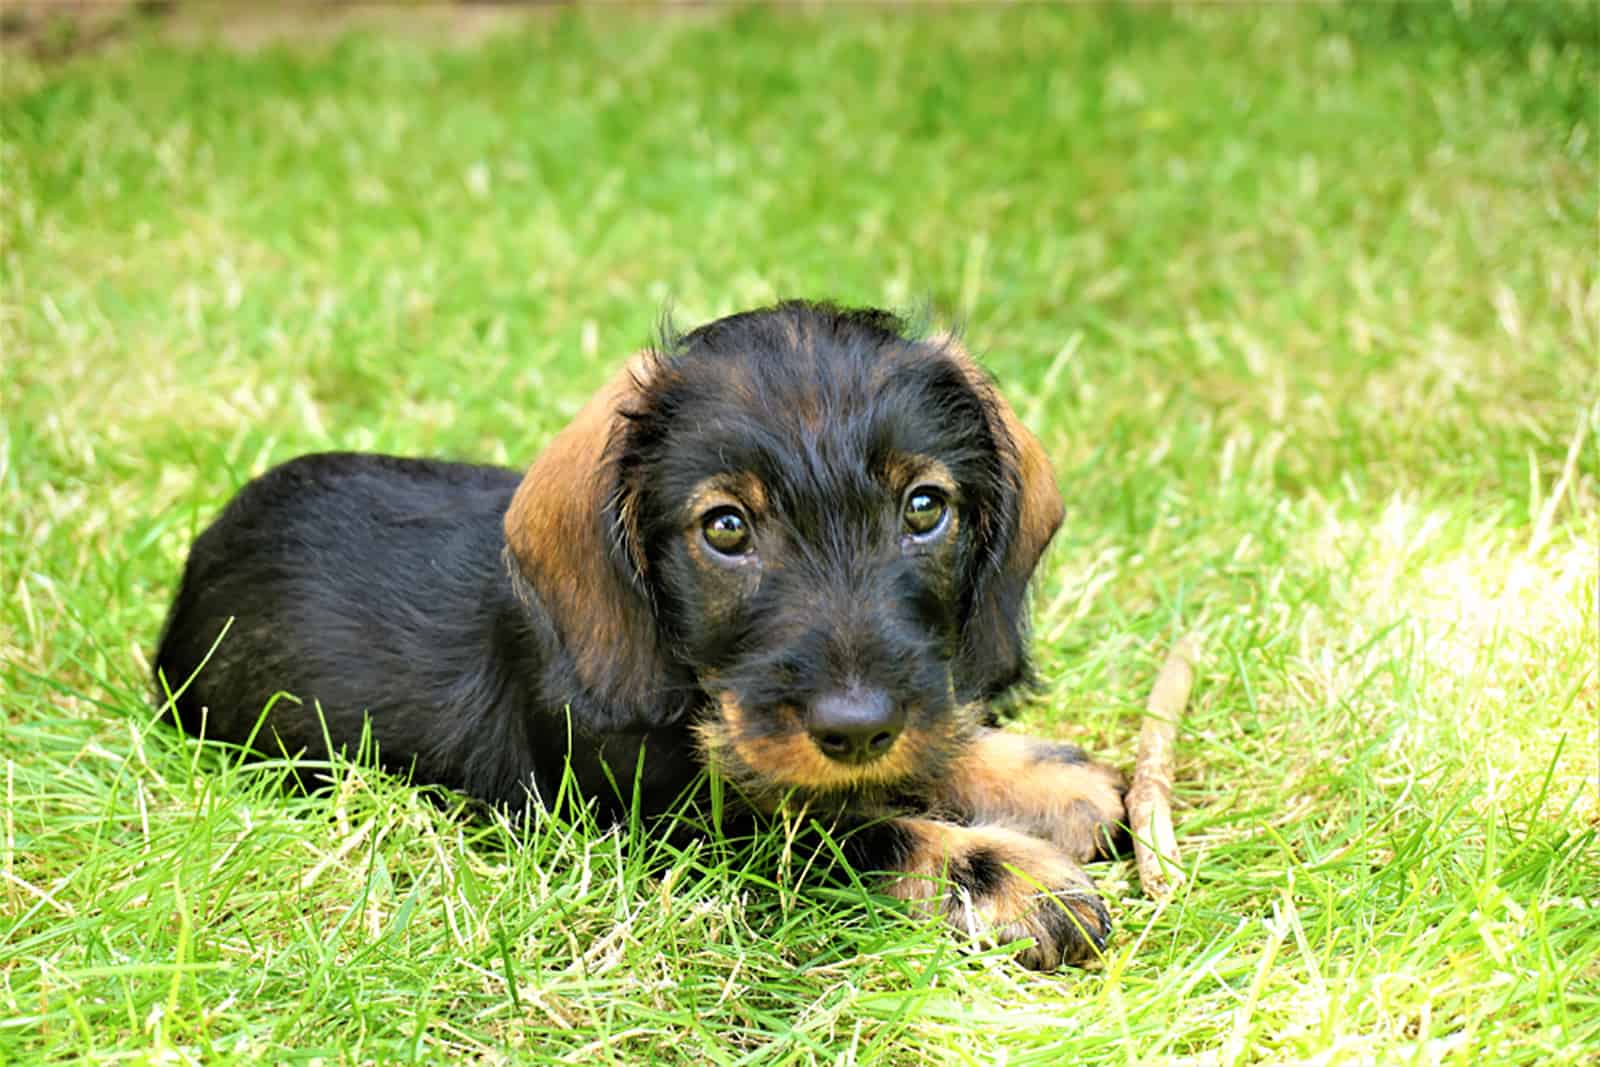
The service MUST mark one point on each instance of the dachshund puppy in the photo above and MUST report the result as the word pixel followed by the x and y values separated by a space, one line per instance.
pixel 791 546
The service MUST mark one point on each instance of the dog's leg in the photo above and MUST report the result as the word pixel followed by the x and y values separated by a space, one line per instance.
pixel 1044 788
pixel 994 884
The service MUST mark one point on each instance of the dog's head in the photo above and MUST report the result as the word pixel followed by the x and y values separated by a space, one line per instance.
pixel 819 527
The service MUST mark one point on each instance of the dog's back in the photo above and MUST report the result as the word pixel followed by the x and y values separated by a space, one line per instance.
pixel 361 583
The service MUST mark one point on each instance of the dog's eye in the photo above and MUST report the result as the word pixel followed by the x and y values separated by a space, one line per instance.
pixel 924 510
pixel 727 531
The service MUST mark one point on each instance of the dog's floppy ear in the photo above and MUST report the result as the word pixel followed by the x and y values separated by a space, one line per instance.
pixel 994 653
pixel 570 529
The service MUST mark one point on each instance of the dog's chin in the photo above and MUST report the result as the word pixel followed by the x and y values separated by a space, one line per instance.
pixel 779 760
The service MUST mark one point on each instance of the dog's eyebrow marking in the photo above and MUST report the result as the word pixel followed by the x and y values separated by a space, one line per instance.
pixel 903 470
pixel 732 487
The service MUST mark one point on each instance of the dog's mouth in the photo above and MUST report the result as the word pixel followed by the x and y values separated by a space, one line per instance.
pixel 771 753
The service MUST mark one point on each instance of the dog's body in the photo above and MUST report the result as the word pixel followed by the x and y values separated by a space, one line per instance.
pixel 374 582
pixel 793 545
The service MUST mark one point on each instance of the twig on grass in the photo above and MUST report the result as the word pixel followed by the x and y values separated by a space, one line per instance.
pixel 1155 846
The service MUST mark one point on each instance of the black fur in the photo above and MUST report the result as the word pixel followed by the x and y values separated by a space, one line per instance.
pixel 979 874
pixel 375 586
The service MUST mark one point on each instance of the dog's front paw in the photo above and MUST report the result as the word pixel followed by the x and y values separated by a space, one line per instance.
pixel 1088 816
pixel 1042 788
pixel 1000 886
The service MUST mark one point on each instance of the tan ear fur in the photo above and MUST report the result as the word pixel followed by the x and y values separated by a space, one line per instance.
pixel 1040 508
pixel 556 529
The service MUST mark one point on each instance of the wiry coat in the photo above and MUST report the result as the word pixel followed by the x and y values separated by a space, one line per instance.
pixel 491 629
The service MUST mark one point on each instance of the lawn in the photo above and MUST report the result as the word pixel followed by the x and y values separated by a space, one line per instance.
pixel 1303 303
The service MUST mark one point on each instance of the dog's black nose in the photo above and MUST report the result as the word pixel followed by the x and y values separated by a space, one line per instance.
pixel 856 726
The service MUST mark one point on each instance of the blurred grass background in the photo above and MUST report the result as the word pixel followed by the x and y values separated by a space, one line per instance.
pixel 1303 302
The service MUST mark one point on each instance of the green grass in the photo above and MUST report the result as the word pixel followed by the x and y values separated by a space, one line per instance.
pixel 1304 304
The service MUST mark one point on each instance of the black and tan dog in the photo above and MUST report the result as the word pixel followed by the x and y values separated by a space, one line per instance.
pixel 791 545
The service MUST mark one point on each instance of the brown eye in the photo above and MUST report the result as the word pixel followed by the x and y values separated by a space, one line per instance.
pixel 727 531
pixel 924 510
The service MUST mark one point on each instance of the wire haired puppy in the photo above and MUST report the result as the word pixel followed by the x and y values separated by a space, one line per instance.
pixel 791 545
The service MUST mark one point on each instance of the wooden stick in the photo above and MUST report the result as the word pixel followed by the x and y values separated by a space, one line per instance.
pixel 1155 846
